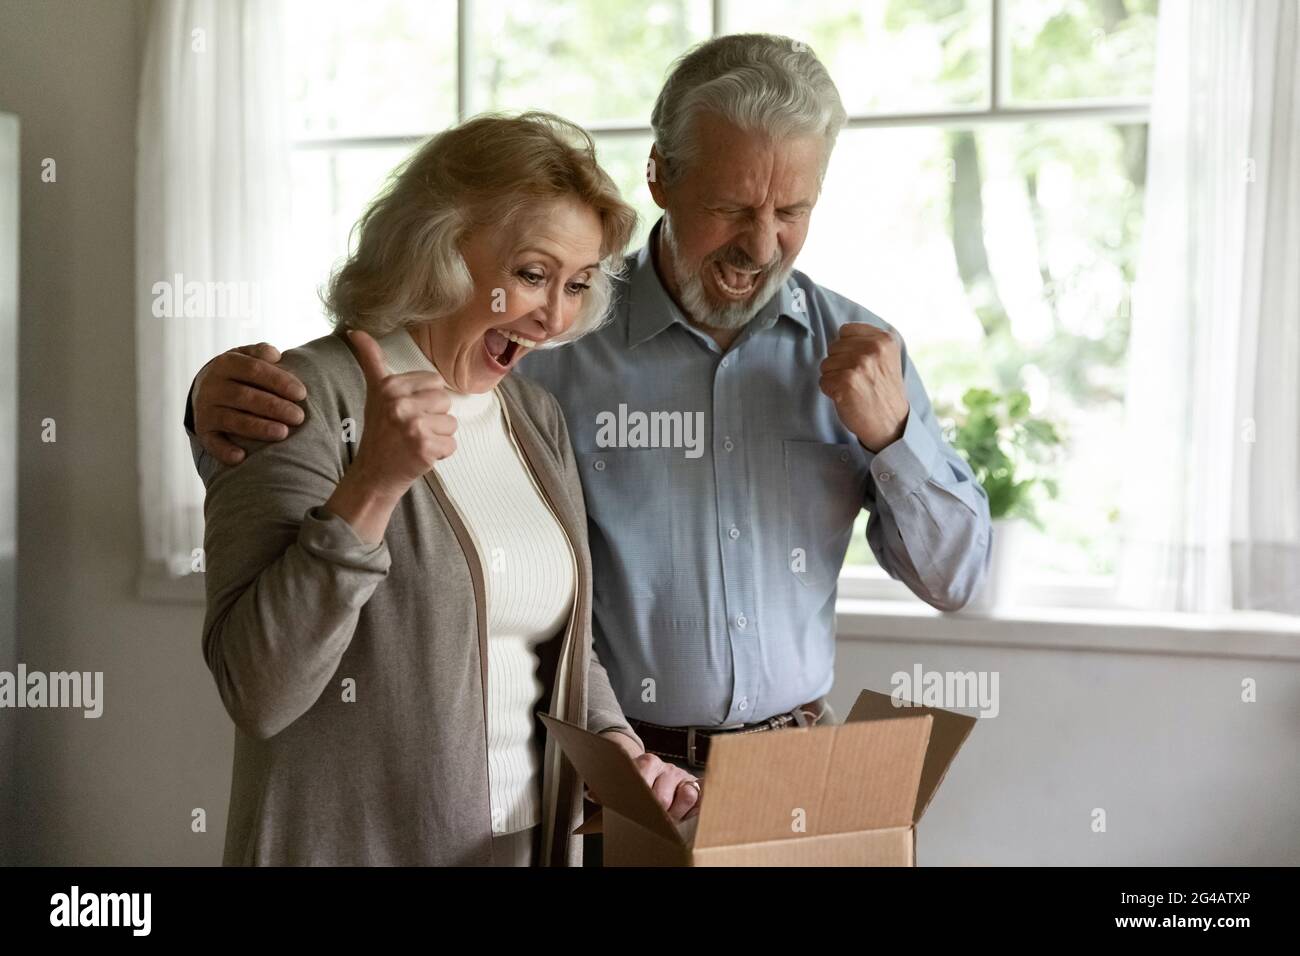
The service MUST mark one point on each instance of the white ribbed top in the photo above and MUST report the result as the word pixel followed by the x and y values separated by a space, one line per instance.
pixel 529 571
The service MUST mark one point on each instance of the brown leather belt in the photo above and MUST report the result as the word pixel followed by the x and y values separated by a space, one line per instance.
pixel 691 744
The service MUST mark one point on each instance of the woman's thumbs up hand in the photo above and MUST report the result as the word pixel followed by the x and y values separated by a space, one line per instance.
pixel 407 429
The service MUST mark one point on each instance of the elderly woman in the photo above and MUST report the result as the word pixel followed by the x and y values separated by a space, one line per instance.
pixel 396 588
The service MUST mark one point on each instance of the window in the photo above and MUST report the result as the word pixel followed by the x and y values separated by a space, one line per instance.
pixel 986 196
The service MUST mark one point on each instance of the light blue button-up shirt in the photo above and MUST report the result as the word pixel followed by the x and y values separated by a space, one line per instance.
pixel 718 527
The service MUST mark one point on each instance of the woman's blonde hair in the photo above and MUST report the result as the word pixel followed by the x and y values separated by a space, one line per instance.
pixel 491 171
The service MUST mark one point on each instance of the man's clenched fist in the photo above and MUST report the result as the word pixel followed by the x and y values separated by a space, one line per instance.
pixel 863 375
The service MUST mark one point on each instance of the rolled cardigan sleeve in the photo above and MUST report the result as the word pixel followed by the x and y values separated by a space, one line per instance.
pixel 603 709
pixel 286 579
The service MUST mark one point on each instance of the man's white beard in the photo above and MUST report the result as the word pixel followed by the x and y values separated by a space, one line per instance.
pixel 699 309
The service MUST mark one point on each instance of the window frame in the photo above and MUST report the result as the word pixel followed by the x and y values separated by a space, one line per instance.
pixel 999 108
pixel 857 582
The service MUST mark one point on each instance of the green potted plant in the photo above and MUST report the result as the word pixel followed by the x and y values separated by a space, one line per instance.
pixel 1012 455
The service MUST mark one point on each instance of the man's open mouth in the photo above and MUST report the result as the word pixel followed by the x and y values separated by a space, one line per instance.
pixel 504 348
pixel 736 283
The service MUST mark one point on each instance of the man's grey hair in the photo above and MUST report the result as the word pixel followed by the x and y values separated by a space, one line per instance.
pixel 758 81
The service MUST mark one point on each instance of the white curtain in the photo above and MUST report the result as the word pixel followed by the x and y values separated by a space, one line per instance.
pixel 1211 463
pixel 212 209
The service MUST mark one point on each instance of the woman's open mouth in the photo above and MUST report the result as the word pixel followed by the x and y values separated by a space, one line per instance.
pixel 504 348
pixel 734 283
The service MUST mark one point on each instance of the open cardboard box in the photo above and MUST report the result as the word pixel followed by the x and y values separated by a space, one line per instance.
pixel 843 795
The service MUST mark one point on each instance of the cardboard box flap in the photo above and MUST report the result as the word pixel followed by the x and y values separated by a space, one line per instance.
pixel 609 771
pixel 946 738
pixel 782 783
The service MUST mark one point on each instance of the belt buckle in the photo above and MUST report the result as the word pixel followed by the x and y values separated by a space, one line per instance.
pixel 690 748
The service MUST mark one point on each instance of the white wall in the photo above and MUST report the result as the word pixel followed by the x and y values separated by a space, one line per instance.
pixel 1187 773
pixel 118 789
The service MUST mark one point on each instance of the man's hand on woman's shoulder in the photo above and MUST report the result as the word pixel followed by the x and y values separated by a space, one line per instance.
pixel 242 393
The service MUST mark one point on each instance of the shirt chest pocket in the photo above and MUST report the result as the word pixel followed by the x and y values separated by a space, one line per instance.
pixel 825 487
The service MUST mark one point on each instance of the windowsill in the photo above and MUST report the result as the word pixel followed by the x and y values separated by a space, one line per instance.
pixel 1254 634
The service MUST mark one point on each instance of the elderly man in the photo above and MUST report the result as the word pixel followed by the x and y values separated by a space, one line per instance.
pixel 729 422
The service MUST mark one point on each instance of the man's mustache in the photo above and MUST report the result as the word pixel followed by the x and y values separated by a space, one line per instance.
pixel 737 259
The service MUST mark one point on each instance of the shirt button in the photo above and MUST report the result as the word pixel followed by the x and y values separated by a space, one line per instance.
pixel 885 476
pixel 744 704
pixel 844 456
pixel 729 444
pixel 735 533
pixel 725 362
pixel 598 464
pixel 741 621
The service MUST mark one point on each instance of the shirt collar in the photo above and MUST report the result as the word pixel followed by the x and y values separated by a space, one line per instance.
pixel 651 309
